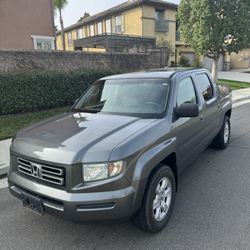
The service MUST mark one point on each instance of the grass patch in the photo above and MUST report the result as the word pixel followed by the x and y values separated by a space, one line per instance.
pixel 10 124
pixel 234 85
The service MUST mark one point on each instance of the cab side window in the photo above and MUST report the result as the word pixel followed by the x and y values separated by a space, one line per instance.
pixel 186 92
pixel 205 85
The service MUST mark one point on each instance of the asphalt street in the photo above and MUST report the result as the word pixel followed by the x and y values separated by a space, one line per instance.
pixel 212 209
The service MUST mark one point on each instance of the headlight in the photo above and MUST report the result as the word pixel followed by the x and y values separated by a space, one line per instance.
pixel 101 171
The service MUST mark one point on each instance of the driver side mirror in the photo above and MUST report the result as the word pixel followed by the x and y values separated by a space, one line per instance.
pixel 187 110
pixel 73 104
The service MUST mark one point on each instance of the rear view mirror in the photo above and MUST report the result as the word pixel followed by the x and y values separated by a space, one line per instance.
pixel 187 110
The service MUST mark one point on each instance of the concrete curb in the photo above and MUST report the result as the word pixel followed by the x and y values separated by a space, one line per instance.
pixel 4 156
pixel 4 169
pixel 241 99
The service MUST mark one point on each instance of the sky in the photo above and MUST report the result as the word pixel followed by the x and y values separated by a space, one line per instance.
pixel 76 8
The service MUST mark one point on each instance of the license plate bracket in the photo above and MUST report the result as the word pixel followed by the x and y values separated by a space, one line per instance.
pixel 33 203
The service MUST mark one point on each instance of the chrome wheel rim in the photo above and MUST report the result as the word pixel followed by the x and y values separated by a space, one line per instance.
pixel 162 199
pixel 226 132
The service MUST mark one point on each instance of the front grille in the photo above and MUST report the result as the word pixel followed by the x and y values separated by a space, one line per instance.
pixel 42 172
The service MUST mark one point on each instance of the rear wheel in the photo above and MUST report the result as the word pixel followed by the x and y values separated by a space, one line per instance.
pixel 221 141
pixel 158 201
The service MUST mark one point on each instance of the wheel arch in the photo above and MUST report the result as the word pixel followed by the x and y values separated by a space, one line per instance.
pixel 229 113
pixel 142 176
pixel 169 161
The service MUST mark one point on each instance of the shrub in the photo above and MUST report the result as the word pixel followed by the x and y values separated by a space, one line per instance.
pixel 38 90
pixel 184 62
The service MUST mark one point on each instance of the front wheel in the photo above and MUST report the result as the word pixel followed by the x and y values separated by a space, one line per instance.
pixel 158 201
pixel 221 141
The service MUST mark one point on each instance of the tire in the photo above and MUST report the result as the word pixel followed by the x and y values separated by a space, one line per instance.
pixel 148 218
pixel 221 141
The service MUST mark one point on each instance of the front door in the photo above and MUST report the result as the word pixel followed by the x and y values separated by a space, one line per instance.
pixel 188 131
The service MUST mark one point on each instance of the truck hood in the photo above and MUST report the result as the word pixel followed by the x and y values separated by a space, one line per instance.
pixel 76 137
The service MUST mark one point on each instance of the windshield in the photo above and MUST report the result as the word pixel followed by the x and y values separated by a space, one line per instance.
pixel 135 97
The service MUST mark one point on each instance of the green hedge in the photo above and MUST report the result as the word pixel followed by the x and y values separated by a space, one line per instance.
pixel 37 90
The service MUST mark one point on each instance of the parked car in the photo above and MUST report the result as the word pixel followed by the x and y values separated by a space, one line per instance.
pixel 120 149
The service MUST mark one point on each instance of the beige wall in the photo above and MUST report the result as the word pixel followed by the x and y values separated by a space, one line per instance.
pixel 183 49
pixel 19 19
pixel 240 60
pixel 133 22
pixel 148 26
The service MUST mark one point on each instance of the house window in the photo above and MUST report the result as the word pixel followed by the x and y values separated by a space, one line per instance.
pixel 91 30
pixel 43 42
pixel 159 15
pixel 70 40
pixel 161 25
pixel 99 28
pixel 79 34
pixel 118 24
pixel 108 26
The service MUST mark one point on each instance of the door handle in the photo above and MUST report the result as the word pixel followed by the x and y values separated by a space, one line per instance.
pixel 202 116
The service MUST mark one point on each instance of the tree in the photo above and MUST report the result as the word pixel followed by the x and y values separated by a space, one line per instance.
pixel 60 5
pixel 207 24
pixel 86 14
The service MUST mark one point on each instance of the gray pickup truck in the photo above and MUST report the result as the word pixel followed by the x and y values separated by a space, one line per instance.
pixel 120 149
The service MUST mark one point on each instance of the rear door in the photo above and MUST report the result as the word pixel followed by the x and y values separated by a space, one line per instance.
pixel 211 115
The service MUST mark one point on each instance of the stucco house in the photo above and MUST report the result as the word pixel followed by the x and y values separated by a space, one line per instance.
pixel 135 25
pixel 27 24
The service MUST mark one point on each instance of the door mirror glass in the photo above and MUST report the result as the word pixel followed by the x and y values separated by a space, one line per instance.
pixel 187 110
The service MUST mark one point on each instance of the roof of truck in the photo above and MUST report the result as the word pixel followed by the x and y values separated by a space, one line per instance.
pixel 154 73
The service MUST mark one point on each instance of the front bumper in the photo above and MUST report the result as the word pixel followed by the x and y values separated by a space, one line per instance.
pixel 97 206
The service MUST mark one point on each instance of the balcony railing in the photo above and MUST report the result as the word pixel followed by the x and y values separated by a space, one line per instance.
pixel 161 25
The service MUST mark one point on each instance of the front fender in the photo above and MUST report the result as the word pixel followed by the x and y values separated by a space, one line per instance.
pixel 145 165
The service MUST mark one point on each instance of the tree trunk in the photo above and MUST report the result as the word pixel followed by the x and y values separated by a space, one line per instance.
pixel 62 30
pixel 215 69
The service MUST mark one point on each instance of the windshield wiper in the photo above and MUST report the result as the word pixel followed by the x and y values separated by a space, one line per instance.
pixel 86 110
pixel 101 104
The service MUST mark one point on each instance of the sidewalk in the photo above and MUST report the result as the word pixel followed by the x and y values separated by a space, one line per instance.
pixel 238 96
pixel 4 156
pixel 241 95
pixel 234 76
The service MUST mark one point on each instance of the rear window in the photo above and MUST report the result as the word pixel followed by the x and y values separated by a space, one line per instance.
pixel 205 86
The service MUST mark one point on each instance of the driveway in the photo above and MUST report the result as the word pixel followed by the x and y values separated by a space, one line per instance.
pixel 212 209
